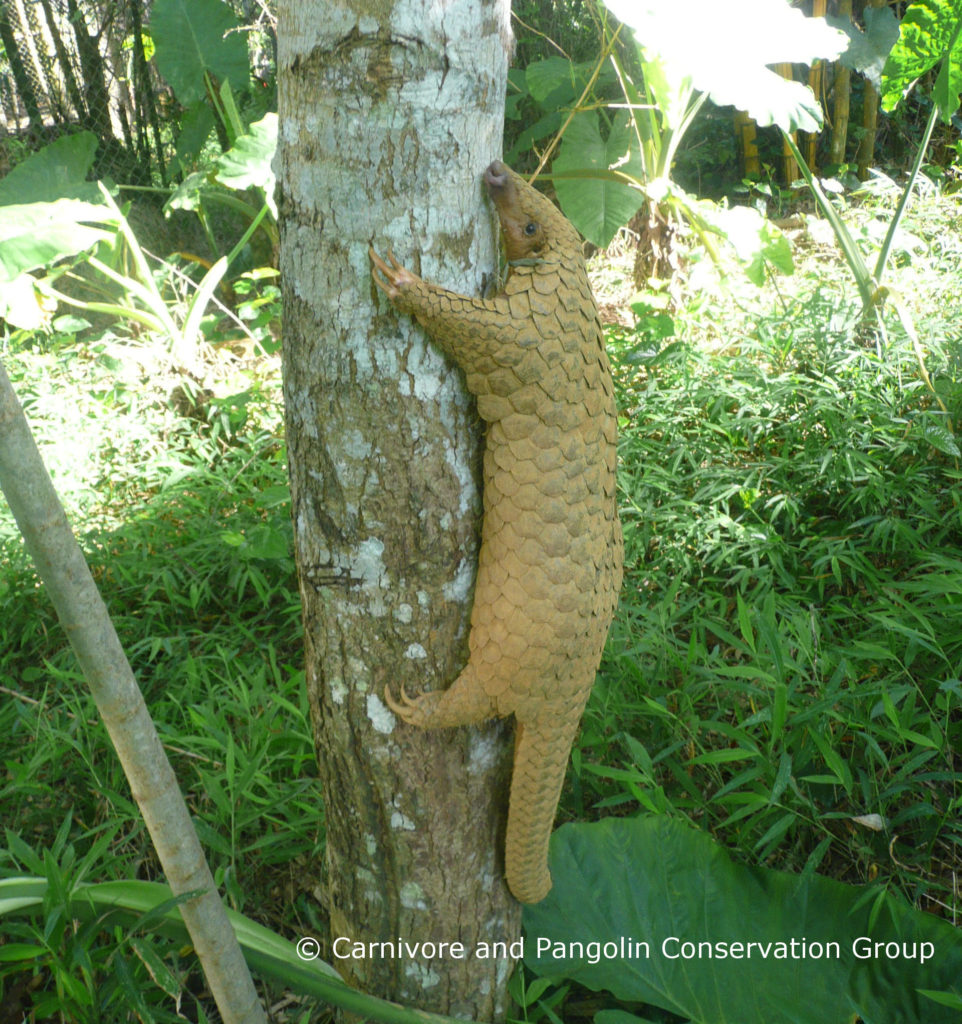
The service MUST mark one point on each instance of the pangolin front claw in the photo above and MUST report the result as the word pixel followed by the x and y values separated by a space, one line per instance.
pixel 390 279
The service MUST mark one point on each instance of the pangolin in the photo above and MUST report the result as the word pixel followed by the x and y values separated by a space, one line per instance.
pixel 550 562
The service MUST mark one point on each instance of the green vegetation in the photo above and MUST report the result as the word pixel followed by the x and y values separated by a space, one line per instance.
pixel 788 653
pixel 797 624
pixel 185 521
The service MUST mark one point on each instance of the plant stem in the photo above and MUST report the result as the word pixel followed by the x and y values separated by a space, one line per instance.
pixel 906 193
pixel 867 287
pixel 62 568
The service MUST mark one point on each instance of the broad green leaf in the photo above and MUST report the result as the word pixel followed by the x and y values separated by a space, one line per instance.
pixel 544 77
pixel 596 206
pixel 659 882
pixel 543 127
pixel 867 50
pixel 248 162
pixel 55 172
pixel 699 38
pixel 196 124
pixel 557 82
pixel 928 33
pixel 191 37
pixel 941 438
pixel 38 234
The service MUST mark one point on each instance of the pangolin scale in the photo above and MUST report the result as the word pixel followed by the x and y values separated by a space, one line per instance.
pixel 550 563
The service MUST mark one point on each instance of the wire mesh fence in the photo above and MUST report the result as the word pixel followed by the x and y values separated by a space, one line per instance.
pixel 72 65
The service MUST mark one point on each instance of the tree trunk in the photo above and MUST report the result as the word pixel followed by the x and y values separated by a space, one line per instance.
pixel 28 95
pixel 389 112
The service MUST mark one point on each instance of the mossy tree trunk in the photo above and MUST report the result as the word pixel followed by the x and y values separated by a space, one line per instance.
pixel 389 112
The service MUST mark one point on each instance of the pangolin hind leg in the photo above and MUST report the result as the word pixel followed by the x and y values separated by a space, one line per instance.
pixel 464 702
pixel 541 750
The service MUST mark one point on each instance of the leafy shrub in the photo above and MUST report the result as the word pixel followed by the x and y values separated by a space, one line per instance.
pixel 786 664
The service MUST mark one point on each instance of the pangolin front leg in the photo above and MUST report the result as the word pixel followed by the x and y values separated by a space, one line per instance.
pixel 549 567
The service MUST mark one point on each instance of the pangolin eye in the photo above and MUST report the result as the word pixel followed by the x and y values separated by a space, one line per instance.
pixel 530 228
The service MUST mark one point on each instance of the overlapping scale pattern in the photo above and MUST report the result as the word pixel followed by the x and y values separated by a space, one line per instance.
pixel 550 562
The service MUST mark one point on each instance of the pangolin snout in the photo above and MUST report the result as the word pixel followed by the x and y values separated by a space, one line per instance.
pixel 495 175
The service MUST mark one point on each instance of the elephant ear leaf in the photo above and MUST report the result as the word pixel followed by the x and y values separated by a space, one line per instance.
pixel 930 34
pixel 764 946
pixel 868 50
pixel 593 199
pixel 779 33
pixel 197 36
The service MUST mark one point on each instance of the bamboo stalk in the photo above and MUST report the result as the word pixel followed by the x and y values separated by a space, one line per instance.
pixel 865 155
pixel 843 93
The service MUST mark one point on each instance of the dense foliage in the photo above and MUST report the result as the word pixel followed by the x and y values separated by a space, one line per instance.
pixel 793 623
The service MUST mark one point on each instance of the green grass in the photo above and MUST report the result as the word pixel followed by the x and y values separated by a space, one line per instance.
pixel 189 540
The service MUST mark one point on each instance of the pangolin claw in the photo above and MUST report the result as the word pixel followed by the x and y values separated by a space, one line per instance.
pixel 403 708
pixel 390 279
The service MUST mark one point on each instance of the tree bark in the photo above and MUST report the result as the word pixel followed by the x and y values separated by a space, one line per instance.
pixel 389 112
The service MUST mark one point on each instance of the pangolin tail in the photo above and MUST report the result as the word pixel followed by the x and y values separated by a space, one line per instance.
pixel 541 754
